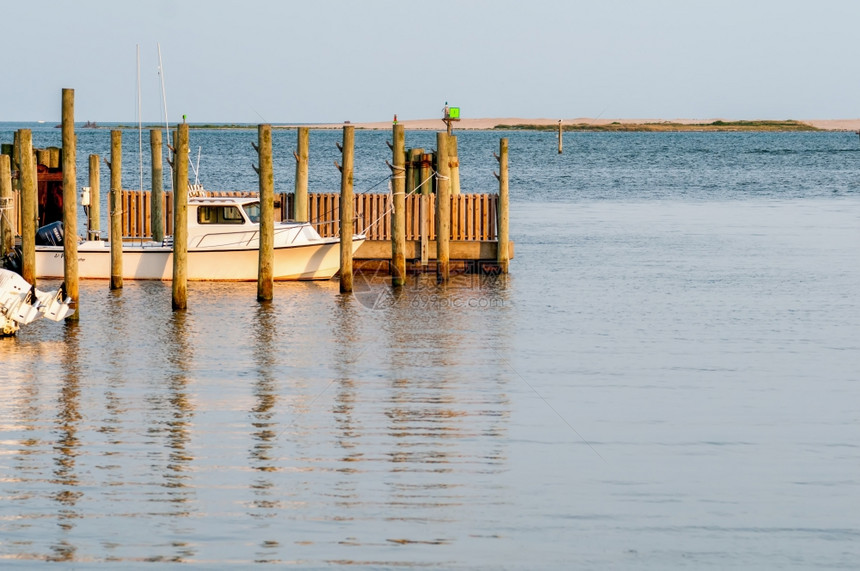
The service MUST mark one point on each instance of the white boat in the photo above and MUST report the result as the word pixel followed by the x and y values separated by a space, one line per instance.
pixel 21 303
pixel 223 245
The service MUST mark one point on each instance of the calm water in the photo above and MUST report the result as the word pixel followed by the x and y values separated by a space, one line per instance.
pixel 667 379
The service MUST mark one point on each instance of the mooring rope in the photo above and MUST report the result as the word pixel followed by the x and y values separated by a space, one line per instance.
pixel 6 205
pixel 391 206
pixel 337 220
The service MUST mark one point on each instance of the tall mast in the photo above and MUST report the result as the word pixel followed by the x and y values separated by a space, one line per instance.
pixel 164 109
pixel 139 123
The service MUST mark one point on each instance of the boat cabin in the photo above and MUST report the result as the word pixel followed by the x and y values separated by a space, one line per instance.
pixel 217 211
pixel 229 222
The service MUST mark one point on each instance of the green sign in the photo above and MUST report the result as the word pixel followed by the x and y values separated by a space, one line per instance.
pixel 454 112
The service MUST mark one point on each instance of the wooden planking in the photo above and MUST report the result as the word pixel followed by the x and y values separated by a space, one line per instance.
pixel 326 212
pixel 16 199
pixel 133 211
pixel 485 216
pixel 380 222
pixel 470 217
pixel 329 212
pixel 145 219
pixel 359 207
pixel 473 215
pixel 414 210
pixel 124 199
pixel 491 229
pixel 373 216
pixel 168 213
pixel 432 216
pixel 454 209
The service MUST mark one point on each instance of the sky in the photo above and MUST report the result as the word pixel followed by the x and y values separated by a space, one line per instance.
pixel 329 61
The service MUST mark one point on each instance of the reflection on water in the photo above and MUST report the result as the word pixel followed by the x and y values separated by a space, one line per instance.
pixel 345 355
pixel 67 447
pixel 348 430
pixel 179 411
pixel 276 420
pixel 265 391
pixel 266 503
pixel 173 413
pixel 307 430
pixel 706 352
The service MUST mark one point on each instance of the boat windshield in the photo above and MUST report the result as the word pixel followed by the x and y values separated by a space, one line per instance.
pixel 219 214
pixel 252 209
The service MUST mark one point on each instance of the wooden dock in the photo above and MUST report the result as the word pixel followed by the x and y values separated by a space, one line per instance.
pixel 474 225
pixel 425 224
pixel 408 240
pixel 474 220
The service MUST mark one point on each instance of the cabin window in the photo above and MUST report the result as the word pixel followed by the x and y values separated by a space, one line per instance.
pixel 253 211
pixel 219 215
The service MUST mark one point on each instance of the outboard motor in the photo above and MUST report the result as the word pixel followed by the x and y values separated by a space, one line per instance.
pixel 50 234
pixel 12 260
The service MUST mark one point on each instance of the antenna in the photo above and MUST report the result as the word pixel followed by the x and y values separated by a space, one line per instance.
pixel 196 168
pixel 164 109
pixel 139 123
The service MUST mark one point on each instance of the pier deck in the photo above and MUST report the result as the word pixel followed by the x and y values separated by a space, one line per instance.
pixel 473 239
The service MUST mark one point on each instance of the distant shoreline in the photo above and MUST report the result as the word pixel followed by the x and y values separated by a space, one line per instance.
pixel 576 124
pixel 669 126
pixel 592 124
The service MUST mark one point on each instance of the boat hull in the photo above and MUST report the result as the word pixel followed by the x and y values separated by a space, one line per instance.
pixel 317 261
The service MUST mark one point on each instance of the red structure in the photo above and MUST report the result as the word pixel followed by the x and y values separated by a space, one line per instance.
pixel 50 189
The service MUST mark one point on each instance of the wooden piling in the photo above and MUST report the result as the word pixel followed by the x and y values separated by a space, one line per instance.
pixel 265 278
pixel 346 208
pixel 443 208
pixel 157 208
pixel 302 154
pixel 94 217
pixel 454 165
pixel 180 220
pixel 560 141
pixel 29 204
pixel 425 174
pixel 424 207
pixel 398 220
pixel 413 182
pixel 413 163
pixel 70 202
pixel 54 157
pixel 7 214
pixel 16 167
pixel 115 230
pixel 16 157
pixel 502 253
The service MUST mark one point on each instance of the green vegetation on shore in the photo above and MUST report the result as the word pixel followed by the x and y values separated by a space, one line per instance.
pixel 788 125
